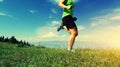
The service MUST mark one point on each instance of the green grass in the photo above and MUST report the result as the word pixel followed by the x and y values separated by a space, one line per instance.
pixel 13 56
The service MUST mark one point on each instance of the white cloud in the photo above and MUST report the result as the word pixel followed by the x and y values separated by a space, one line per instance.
pixel 53 11
pixel 104 28
pixel 45 29
pixel 54 1
pixel 45 33
pixel 76 0
pixel 115 18
pixel 1 0
pixel 33 11
pixel 49 32
pixel 99 22
pixel 49 35
pixel 93 24
pixel 50 16
pixel 55 23
pixel 81 28
pixel 109 34
pixel 3 14
pixel 117 10
pixel 63 36
pixel 111 17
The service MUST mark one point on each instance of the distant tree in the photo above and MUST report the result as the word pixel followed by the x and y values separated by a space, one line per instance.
pixel 1 38
pixel 21 44
pixel 13 40
pixel 6 40
pixel 28 44
pixel 24 43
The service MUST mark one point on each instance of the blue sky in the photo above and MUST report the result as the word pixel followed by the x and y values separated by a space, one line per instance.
pixel 37 20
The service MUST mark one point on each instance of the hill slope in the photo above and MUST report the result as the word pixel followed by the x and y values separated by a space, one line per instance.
pixel 13 56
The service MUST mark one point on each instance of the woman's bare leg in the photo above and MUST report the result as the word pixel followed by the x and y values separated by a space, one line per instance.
pixel 73 33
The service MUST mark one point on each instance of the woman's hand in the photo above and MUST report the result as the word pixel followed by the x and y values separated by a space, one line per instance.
pixel 69 7
pixel 61 4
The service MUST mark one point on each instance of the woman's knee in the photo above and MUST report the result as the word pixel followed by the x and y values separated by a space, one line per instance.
pixel 75 33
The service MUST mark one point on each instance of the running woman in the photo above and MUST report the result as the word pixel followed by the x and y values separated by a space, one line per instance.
pixel 68 21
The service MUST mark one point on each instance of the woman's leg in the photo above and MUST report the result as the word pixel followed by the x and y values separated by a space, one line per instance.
pixel 73 33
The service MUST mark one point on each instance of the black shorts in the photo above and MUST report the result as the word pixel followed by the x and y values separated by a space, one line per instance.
pixel 68 22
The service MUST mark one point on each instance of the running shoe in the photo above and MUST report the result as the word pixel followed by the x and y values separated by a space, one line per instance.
pixel 60 27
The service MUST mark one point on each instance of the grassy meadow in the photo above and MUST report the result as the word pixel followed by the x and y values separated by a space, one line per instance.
pixel 13 56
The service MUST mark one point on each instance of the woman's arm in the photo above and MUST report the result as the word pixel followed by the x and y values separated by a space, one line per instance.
pixel 61 4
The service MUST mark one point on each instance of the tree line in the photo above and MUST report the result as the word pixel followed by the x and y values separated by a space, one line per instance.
pixel 13 40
